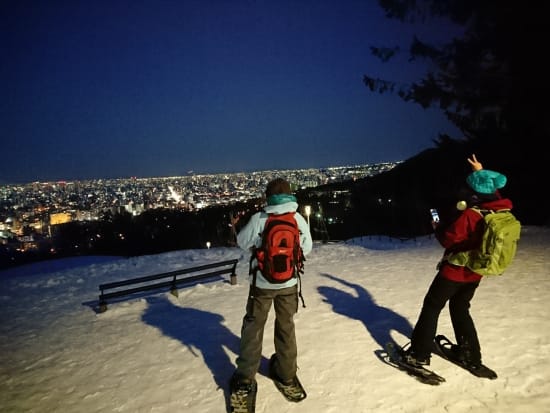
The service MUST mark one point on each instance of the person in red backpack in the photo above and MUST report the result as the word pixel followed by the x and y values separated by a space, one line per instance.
pixel 457 284
pixel 284 297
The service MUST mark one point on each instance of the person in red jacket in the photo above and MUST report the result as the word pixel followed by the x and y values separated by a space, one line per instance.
pixel 457 284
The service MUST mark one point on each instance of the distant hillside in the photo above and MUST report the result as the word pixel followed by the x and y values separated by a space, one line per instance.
pixel 397 202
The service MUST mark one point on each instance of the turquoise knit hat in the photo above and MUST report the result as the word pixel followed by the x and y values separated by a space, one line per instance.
pixel 485 181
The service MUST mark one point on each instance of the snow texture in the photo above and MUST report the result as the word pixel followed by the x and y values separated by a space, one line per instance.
pixel 159 353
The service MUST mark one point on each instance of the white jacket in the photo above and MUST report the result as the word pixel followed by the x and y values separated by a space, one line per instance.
pixel 250 236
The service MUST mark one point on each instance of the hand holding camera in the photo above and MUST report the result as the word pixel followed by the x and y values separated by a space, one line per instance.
pixel 435 217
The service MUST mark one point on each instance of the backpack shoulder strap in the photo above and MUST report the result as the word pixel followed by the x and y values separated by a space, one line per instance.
pixel 482 211
pixel 489 211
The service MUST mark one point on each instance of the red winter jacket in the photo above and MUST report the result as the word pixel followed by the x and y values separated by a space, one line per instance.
pixel 465 234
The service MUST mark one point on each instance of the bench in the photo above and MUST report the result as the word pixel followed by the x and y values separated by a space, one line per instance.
pixel 168 279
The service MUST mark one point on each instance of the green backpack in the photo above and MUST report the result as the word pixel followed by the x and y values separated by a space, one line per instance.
pixel 498 245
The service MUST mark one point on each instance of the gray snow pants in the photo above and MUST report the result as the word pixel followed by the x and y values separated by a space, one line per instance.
pixel 285 302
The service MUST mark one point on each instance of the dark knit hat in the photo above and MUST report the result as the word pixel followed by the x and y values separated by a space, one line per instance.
pixel 277 186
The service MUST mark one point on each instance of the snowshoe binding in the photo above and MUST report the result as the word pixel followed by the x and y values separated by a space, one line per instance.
pixel 243 395
pixel 451 352
pixel 397 357
pixel 292 390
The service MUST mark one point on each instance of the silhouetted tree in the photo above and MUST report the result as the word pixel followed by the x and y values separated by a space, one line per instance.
pixel 490 82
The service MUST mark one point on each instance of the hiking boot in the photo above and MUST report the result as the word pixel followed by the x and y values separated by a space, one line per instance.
pixel 474 366
pixel 410 358
pixel 464 355
pixel 239 383
pixel 274 375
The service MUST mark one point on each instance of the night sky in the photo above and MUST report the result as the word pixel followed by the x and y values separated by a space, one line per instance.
pixel 113 89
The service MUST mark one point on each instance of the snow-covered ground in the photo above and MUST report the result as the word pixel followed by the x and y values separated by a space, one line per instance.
pixel 160 353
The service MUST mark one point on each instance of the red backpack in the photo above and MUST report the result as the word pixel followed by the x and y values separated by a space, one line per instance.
pixel 280 256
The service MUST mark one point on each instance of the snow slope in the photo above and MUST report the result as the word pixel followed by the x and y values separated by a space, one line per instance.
pixel 160 353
